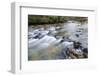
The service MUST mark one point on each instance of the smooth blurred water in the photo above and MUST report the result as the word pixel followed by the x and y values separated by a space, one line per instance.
pixel 43 45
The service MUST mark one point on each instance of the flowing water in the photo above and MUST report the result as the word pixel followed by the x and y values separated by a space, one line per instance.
pixel 50 47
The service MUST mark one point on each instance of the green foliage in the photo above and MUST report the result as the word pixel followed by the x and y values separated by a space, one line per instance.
pixel 41 19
